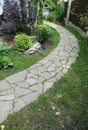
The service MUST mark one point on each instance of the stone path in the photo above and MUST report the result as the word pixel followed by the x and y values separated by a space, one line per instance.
pixel 21 88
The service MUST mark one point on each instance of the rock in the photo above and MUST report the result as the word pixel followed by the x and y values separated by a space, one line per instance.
pixel 35 47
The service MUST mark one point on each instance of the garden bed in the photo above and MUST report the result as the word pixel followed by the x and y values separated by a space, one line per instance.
pixel 17 57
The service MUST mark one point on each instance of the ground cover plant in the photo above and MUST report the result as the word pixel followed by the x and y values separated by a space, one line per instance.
pixel 5 61
pixel 17 57
pixel 64 106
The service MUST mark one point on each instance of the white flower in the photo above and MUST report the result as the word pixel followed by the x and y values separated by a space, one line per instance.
pixel 59 95
pixel 57 113
pixel 2 127
pixel 39 109
pixel 53 107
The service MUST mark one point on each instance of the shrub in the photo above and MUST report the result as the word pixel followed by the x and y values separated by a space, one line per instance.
pixel 22 42
pixel 17 13
pixel 8 28
pixel 43 33
pixel 51 17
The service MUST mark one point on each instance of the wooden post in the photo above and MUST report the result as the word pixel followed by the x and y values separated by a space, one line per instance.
pixel 69 10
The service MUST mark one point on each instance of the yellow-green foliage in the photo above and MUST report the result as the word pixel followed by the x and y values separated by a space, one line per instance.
pixel 22 42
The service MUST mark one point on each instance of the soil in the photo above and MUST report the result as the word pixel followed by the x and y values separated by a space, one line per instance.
pixel 9 40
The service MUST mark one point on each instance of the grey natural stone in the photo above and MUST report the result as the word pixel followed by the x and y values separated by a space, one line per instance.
pixel 17 77
pixel 59 75
pixel 4 85
pixel 10 91
pixel 31 81
pixel 51 69
pixel 5 108
pixel 30 75
pixel 7 97
pixel 46 75
pixel 18 105
pixel 23 84
pixel 21 91
pixel 42 69
pixel 53 79
pixel 30 97
pixel 47 85
pixel 35 47
pixel 3 93
pixel 40 79
pixel 37 88
pixel 34 71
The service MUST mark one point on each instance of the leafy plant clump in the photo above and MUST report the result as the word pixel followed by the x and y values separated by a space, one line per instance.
pixel 5 62
pixel 4 49
pixel 22 42
pixel 51 17
pixel 43 33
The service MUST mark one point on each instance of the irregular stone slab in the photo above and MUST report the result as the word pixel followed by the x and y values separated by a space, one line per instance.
pixel 23 84
pixel 30 75
pixel 4 85
pixel 30 97
pixel 21 91
pixel 46 75
pixel 7 97
pixel 31 81
pixel 47 85
pixel 17 77
pixel 3 93
pixel 40 80
pixel 42 69
pixel 5 108
pixel 10 91
pixel 37 88
pixel 18 105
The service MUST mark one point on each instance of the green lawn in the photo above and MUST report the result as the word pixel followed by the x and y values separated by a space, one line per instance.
pixel 64 106
pixel 22 61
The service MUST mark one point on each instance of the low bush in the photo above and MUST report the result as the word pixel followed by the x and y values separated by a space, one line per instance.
pixel 22 42
pixel 43 33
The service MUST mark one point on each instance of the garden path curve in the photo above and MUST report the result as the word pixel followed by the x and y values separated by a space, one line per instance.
pixel 21 88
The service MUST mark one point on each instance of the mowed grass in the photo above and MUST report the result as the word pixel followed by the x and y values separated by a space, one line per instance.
pixel 64 106
pixel 21 61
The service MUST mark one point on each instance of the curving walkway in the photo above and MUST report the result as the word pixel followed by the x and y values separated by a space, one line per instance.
pixel 21 88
